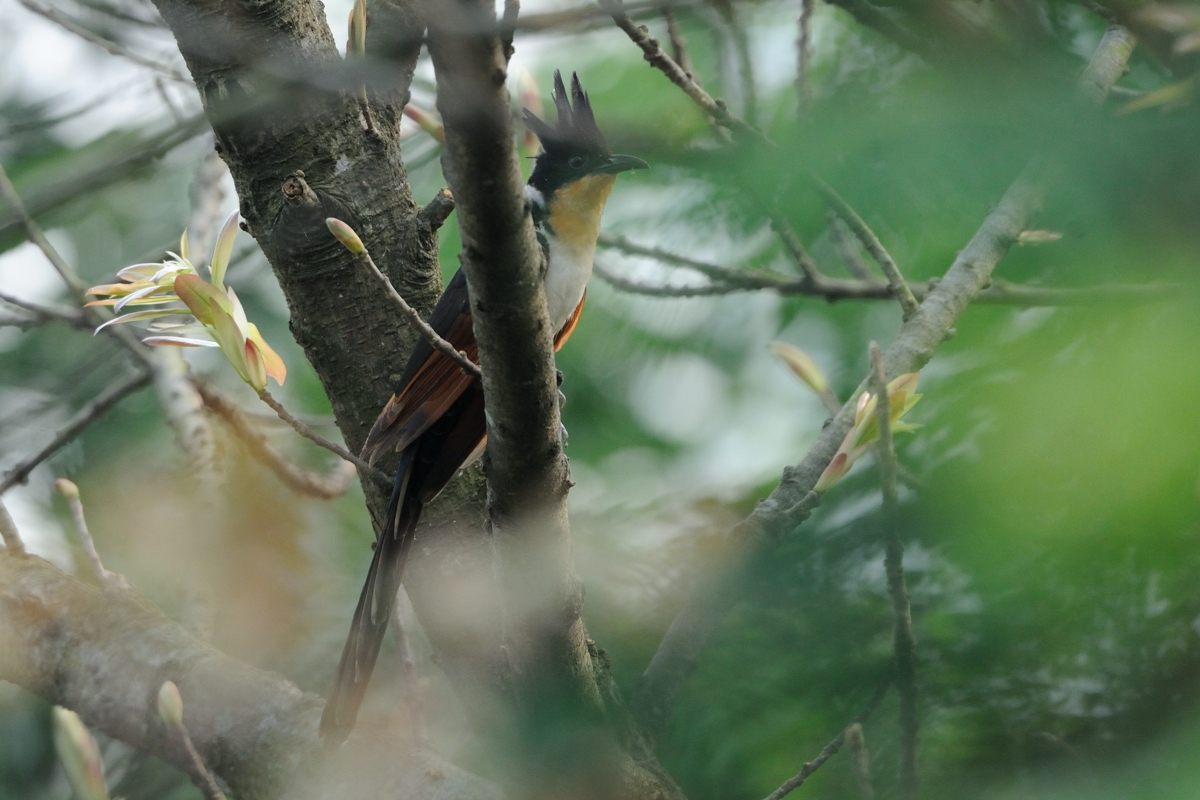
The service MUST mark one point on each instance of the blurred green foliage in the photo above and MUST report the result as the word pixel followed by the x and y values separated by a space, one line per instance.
pixel 1050 506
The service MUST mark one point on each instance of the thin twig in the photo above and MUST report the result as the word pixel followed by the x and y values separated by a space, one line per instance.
pixel 745 64
pixel 904 644
pixel 438 210
pixel 45 313
pixel 170 711
pixel 803 56
pixel 78 288
pixel 847 247
pixel 9 533
pixel 365 468
pixel 301 480
pixel 701 290
pixel 829 750
pixel 795 248
pixel 653 52
pixel 418 323
pixel 108 45
pixel 85 417
pixel 861 757
pixel 728 280
pixel 91 557
pixel 508 26
pixel 725 275
pixel 871 242
pixel 678 43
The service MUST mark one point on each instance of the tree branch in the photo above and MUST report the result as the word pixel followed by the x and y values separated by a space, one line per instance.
pixel 526 468
pixel 904 644
pixel 73 427
pixel 794 499
pixel 105 653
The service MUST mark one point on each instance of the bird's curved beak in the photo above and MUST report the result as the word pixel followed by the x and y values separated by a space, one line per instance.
pixel 618 163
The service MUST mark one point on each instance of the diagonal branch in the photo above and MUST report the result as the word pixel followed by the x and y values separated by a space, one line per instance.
pixel 104 653
pixel 73 427
pixel 793 499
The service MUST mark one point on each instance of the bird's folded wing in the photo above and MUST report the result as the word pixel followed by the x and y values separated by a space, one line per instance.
pixel 433 387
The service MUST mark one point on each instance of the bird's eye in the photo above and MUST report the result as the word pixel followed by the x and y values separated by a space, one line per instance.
pixel 575 162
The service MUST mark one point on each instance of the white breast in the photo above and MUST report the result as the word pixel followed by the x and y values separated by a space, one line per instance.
pixel 567 277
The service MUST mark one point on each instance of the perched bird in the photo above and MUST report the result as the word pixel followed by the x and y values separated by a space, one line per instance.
pixel 435 420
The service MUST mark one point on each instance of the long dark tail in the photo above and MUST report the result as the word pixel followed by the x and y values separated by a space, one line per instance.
pixel 374 607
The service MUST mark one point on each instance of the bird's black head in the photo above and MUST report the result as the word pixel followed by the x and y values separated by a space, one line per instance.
pixel 573 147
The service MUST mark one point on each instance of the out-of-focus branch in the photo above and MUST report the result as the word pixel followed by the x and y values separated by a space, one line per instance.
pixel 85 176
pixel 793 499
pixel 83 536
pixel 904 644
pixel 730 280
pixel 653 53
pixel 803 56
pixel 365 469
pixel 678 43
pixel 73 427
pixel 313 484
pixel 875 247
pixel 41 313
pixel 108 45
pixel 9 533
pixel 105 653
pixel 830 750
pixel 93 316
pixel 527 470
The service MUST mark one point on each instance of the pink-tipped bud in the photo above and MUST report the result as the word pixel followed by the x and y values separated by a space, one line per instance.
pixel 802 364
pixel 346 235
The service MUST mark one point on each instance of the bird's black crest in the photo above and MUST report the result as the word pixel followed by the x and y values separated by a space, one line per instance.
pixel 575 129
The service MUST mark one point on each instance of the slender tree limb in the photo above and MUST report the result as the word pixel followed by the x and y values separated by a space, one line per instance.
pixel 653 53
pixel 108 45
pixel 861 756
pixel 904 643
pixel 300 480
pixel 745 63
pixel 83 537
pixel 94 316
pixel 46 313
pixel 170 711
pixel 830 750
pixel 365 469
pixel 847 247
pixel 797 251
pixel 73 427
pixel 9 533
pixel 794 499
pixel 729 280
pixel 105 653
pixel 871 242
pixel 678 42
pixel 85 176
pixel 804 56
pixel 417 321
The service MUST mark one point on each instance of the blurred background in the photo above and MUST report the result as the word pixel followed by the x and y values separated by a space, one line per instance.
pixel 1049 501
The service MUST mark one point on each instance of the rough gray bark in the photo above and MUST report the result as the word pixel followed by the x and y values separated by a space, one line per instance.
pixel 269 80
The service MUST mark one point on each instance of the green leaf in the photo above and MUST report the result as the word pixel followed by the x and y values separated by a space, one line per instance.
pixel 223 249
